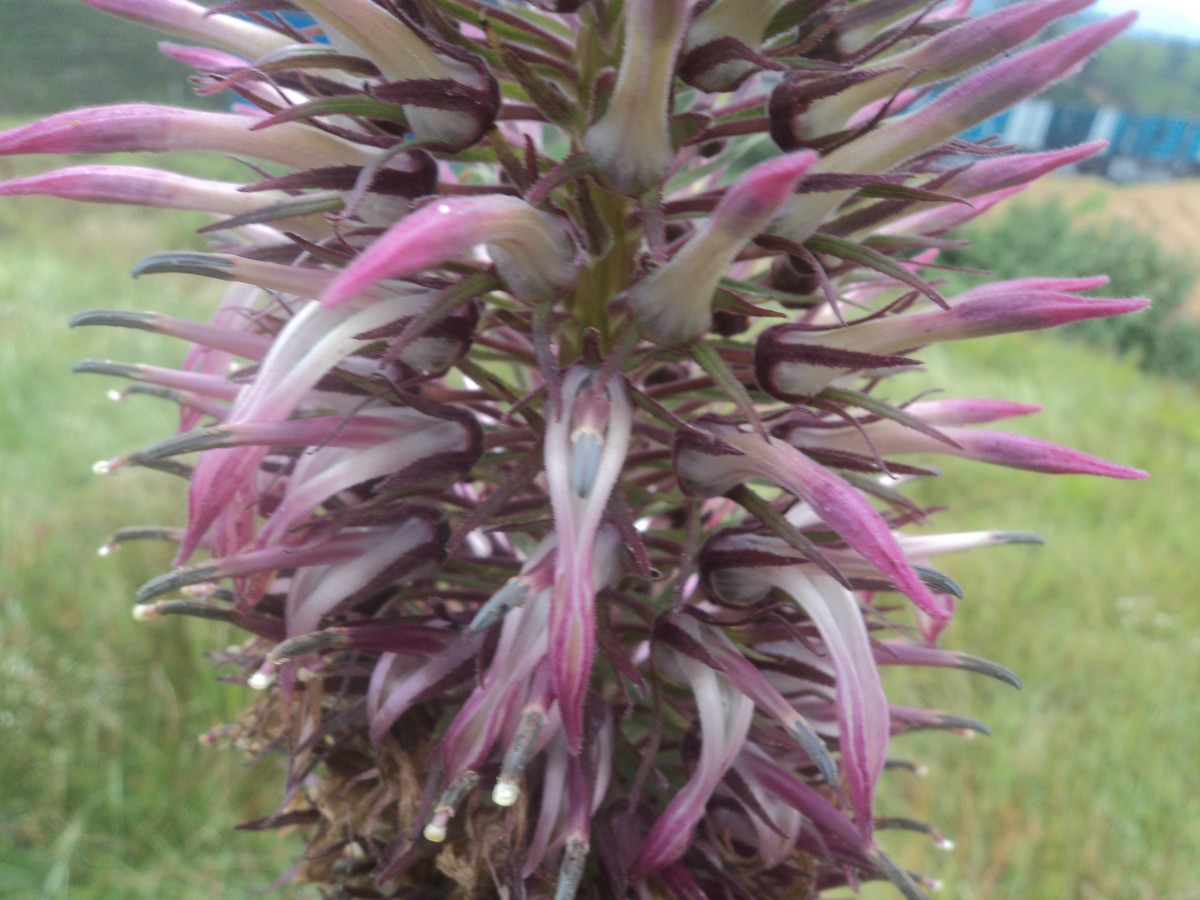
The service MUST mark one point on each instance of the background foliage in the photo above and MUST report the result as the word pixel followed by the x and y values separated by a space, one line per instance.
pixel 61 54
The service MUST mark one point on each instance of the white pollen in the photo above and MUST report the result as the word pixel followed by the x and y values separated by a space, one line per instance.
pixel 435 832
pixel 102 467
pixel 115 396
pixel 505 793
pixel 142 612
pixel 945 844
pixel 260 681
pixel 444 209
pixel 104 550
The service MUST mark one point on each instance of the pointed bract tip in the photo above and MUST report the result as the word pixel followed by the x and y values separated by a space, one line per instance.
pixel 989 668
pixel 105 367
pixel 803 734
pixel 177 578
pixel 208 265
pixel 939 582
pixel 762 189
pixel 961 723
pixel 900 879
pixel 1019 537
pixel 117 318
pixel 316 641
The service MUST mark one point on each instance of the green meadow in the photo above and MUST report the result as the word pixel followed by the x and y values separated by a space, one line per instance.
pixel 1088 787
pixel 105 790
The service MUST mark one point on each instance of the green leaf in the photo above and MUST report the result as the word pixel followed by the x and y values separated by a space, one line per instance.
pixel 853 252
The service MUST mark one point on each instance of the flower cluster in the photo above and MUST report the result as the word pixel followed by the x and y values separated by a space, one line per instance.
pixel 546 441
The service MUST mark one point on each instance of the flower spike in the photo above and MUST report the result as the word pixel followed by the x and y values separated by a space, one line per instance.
pixel 561 573
pixel 673 302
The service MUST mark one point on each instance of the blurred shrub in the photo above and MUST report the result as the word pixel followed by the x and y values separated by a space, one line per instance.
pixel 1045 240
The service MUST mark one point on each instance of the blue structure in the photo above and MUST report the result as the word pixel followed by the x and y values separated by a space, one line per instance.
pixel 1141 142
pixel 297 20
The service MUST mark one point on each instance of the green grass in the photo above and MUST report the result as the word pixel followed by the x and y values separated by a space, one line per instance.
pixel 1088 788
pixel 106 792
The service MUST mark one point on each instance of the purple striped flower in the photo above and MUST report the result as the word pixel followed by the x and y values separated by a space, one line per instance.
pixel 542 441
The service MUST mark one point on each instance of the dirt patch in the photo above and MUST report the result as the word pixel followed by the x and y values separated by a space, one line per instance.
pixel 1168 210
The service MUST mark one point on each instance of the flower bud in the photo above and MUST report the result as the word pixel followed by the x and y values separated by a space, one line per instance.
pixel 630 142
pixel 533 251
pixel 674 302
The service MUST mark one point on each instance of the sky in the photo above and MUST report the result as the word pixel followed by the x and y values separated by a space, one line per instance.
pixel 1174 17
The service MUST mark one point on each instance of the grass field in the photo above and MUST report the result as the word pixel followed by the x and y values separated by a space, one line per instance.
pixel 106 792
pixel 1088 788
